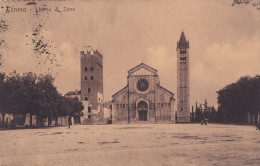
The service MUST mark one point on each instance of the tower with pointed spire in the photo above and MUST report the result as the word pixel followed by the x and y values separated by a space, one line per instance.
pixel 183 80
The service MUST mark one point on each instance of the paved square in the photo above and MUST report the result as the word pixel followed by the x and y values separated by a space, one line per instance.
pixel 132 144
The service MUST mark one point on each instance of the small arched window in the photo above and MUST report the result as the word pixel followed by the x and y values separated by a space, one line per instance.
pixel 183 59
pixel 86 98
pixel 86 78
pixel 183 51
pixel 86 69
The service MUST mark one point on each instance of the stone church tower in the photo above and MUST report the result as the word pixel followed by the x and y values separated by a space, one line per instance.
pixel 91 66
pixel 183 82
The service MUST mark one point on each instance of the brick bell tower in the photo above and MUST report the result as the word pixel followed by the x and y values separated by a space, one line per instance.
pixel 91 66
pixel 183 80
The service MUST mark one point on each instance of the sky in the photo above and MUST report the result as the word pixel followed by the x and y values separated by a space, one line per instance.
pixel 224 41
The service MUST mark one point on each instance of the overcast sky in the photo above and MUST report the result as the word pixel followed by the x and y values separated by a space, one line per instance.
pixel 224 41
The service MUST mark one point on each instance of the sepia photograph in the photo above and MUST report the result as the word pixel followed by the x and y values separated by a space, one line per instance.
pixel 130 82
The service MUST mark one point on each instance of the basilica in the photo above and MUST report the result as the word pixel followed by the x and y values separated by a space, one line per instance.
pixel 143 99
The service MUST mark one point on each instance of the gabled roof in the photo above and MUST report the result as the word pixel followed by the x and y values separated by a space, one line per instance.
pixel 165 89
pixel 144 66
pixel 120 91
pixel 70 93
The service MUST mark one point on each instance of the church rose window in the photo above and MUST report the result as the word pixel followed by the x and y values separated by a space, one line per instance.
pixel 142 85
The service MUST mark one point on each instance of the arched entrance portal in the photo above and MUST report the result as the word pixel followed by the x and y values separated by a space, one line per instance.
pixel 142 108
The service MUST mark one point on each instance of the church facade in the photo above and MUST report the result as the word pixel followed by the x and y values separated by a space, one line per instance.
pixel 143 99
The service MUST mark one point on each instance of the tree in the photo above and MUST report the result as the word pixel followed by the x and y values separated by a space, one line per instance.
pixel 31 95
pixel 11 94
pixel 192 114
pixel 213 114
pixel 197 113
pixel 206 110
pixel 2 92
pixel 61 107
pixel 48 98
pixel 238 99
pixel 75 107
pixel 35 95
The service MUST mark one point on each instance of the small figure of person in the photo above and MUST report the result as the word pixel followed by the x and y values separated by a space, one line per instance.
pixel 206 121
pixel 258 126
pixel 202 122
pixel 69 121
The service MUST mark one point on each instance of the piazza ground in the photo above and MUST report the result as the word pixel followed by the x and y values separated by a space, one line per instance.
pixel 132 144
